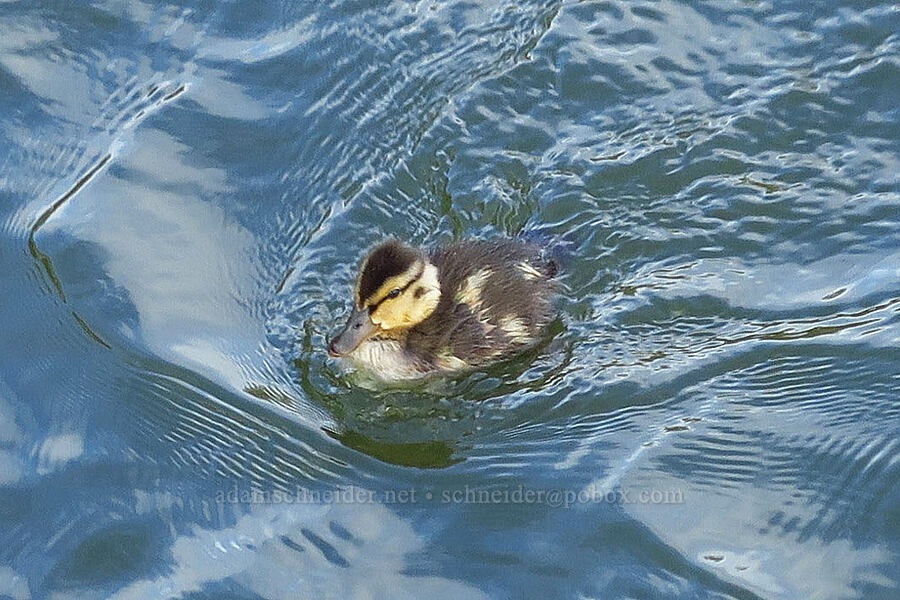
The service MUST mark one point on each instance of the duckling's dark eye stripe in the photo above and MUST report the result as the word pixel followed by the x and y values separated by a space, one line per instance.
pixel 374 307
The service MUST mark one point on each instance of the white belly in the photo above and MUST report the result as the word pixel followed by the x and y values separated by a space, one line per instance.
pixel 385 359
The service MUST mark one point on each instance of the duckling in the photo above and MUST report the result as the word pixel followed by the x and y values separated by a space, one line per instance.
pixel 456 307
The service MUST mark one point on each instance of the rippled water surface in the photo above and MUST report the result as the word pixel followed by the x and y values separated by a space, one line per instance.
pixel 186 190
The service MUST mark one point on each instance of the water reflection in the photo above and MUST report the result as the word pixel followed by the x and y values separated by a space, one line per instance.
pixel 324 551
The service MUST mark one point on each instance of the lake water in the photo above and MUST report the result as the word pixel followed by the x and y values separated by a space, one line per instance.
pixel 186 191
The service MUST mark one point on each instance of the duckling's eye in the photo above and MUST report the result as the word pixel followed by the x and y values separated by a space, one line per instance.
pixel 394 293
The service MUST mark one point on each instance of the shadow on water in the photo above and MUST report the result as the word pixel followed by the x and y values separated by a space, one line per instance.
pixel 385 420
pixel 423 455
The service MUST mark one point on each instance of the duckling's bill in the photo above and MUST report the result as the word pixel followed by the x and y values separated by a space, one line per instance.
pixel 358 329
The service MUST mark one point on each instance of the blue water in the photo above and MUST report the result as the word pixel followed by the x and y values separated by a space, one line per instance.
pixel 185 193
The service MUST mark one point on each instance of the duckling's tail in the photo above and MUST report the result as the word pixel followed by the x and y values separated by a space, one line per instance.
pixel 552 268
pixel 557 252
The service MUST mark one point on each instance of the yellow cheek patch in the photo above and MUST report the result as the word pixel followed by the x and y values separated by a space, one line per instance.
pixel 408 309
pixel 393 313
pixel 470 292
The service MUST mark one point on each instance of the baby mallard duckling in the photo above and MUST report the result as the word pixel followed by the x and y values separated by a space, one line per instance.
pixel 459 306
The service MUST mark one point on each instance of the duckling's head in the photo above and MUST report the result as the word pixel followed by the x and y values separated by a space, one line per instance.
pixel 397 288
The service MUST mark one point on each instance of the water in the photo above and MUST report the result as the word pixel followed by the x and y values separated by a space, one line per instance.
pixel 185 192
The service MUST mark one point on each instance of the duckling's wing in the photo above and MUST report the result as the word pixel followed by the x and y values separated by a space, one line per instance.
pixel 470 339
pixel 479 336
pixel 454 335
pixel 497 297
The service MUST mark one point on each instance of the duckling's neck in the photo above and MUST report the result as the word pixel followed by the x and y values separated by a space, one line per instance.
pixel 428 290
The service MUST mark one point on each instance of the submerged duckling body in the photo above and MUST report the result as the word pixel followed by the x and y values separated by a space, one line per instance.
pixel 457 307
